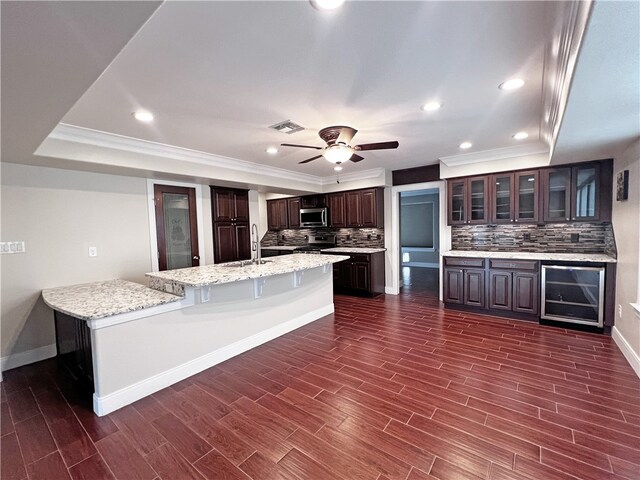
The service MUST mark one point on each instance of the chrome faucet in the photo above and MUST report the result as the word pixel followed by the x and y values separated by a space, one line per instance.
pixel 255 244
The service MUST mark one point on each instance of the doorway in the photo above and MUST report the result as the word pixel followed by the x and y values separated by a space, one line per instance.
pixel 176 227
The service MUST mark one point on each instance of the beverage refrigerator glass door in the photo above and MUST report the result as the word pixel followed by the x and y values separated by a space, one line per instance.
pixel 313 217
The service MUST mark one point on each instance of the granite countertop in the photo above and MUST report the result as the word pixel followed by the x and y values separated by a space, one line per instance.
pixel 280 247
pixel 354 250
pixel 89 301
pixel 560 257
pixel 227 273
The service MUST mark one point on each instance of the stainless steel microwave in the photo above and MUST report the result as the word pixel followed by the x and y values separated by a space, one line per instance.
pixel 313 217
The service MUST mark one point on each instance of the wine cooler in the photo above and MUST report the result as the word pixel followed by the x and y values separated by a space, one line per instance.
pixel 573 294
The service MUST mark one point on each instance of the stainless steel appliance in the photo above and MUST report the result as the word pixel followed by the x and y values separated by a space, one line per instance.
pixel 316 243
pixel 313 217
pixel 573 294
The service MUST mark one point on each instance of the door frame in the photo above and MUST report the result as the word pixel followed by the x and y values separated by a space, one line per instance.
pixel 393 241
pixel 153 239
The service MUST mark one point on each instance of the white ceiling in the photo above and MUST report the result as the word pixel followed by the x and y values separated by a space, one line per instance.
pixel 217 74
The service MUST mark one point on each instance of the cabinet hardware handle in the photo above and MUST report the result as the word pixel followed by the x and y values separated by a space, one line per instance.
pixel 196 257
pixel 512 220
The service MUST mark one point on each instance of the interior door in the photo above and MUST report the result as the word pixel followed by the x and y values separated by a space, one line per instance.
pixel 176 227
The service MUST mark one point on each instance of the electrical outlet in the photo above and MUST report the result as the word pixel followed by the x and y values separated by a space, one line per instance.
pixel 575 237
pixel 93 251
pixel 369 236
pixel 619 310
pixel 526 237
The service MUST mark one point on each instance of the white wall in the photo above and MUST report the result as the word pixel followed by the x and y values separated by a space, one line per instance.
pixel 626 227
pixel 59 214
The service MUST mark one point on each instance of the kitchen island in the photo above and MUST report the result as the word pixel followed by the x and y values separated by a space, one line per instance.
pixel 190 320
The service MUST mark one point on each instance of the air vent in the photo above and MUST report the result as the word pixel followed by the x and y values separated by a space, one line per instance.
pixel 287 127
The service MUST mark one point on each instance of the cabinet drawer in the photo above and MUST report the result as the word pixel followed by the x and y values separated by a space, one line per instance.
pixel 358 257
pixel 528 265
pixel 464 262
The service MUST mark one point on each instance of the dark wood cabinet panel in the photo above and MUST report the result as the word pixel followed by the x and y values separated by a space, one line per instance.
pixel 453 285
pixel 526 298
pixel 556 186
pixel 313 201
pixel 229 205
pixel 468 200
pixel 369 214
pixel 231 229
pixel 293 209
pixel 500 291
pixel 336 207
pixel 526 197
pixel 224 242
pixel 502 191
pixel 474 293
pixel 277 214
pixel 353 203
pixel 364 208
pixel 362 274
pixel 456 201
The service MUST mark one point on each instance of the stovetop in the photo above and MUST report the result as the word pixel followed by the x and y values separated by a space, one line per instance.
pixel 315 243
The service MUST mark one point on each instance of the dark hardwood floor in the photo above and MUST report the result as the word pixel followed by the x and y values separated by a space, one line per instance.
pixel 386 388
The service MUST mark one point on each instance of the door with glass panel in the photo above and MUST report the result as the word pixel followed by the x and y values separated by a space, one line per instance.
pixel 526 197
pixel 176 227
pixel 478 193
pixel 557 194
pixel 502 188
pixel 584 190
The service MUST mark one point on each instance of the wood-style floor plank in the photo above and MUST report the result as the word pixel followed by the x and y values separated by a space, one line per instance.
pixel 386 388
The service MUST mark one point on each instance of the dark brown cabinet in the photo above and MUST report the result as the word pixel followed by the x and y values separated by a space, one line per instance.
pixel 514 197
pixel 500 292
pixel 362 274
pixel 277 214
pixel 591 192
pixel 313 201
pixel 231 229
pixel 464 281
pixel 556 186
pixel 364 208
pixel 467 200
pixel 336 207
pixel 526 296
pixel 293 209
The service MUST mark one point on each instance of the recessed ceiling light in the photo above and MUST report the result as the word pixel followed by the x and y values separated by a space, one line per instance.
pixel 271 150
pixel 143 116
pixel 431 106
pixel 337 168
pixel 521 135
pixel 326 4
pixel 511 84
pixel 465 145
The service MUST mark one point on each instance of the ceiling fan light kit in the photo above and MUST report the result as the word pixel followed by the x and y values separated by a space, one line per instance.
pixel 337 153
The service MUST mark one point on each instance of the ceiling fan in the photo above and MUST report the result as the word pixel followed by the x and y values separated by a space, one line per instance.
pixel 338 149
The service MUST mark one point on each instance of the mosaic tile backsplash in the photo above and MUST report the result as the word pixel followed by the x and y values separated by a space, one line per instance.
pixel 551 238
pixel 346 237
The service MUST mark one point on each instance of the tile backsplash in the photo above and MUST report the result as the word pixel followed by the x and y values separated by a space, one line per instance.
pixel 346 237
pixel 550 238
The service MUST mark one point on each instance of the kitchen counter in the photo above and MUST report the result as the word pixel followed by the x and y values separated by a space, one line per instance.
pixel 227 273
pixel 353 250
pixel 90 301
pixel 560 257
pixel 281 247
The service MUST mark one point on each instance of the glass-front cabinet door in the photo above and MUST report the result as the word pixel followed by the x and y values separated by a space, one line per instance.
pixel 584 190
pixel 526 197
pixel 502 205
pixel 557 194
pixel 457 202
pixel 477 193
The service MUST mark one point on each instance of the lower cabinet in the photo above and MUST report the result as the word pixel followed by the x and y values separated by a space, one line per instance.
pixel 511 285
pixel 232 241
pixel 362 274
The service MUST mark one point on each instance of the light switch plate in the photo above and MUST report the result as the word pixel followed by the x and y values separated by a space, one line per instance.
pixel 93 251
pixel 12 247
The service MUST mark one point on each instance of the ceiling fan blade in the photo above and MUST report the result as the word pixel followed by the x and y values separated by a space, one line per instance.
pixel 377 146
pixel 310 159
pixel 356 158
pixel 300 146
pixel 346 134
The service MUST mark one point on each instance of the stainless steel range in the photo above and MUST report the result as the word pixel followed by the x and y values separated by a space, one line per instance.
pixel 316 243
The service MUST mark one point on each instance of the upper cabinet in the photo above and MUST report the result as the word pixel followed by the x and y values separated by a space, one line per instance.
pixel 365 208
pixel 230 205
pixel 277 214
pixel 579 192
pixel 468 200
pixel 293 208
pixel 336 207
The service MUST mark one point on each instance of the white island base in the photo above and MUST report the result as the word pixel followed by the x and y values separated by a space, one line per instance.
pixel 143 340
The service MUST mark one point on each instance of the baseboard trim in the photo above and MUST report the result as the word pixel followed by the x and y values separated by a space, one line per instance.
pixel 113 401
pixel 631 356
pixel 19 359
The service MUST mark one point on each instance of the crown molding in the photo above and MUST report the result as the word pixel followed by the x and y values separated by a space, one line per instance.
pixel 536 148
pixel 355 176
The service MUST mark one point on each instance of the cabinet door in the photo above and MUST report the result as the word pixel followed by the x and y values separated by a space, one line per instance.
pixel 336 210
pixel 474 288
pixel 293 206
pixel 242 241
pixel 222 205
pixel 368 205
pixel 557 194
pixel 585 186
pixel 272 215
pixel 525 292
pixel 338 275
pixel 526 197
pixel 241 206
pixel 477 194
pixel 452 287
pixel 283 213
pixel 353 201
pixel 502 189
pixel 500 290
pixel 456 196
pixel 225 245
pixel 360 272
